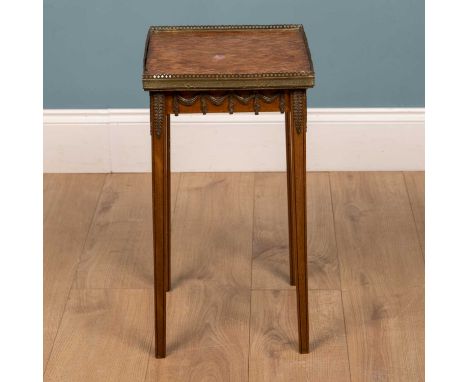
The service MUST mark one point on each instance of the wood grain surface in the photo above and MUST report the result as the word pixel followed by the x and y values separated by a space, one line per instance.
pixel 218 327
pixel 105 336
pixel 376 236
pixel 69 205
pixel 207 334
pixel 212 229
pixel 273 338
pixel 382 276
pixel 227 52
pixel 415 185
pixel 270 268
pixel 208 309
pixel 119 245
pixel 385 331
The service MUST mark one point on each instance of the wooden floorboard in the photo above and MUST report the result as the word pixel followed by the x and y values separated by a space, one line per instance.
pixel 208 334
pixel 382 276
pixel 118 252
pixel 270 268
pixel 105 336
pixel 69 204
pixel 415 184
pixel 385 332
pixel 231 313
pixel 209 305
pixel 274 352
pixel 212 229
pixel 375 231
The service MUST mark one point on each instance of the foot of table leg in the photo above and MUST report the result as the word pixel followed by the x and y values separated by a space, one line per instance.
pixel 159 147
pixel 297 135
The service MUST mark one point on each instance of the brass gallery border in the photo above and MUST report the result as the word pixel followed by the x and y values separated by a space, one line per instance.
pixel 200 82
pixel 156 28
pixel 160 84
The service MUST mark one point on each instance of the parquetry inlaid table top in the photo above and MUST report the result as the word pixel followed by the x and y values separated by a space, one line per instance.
pixel 227 57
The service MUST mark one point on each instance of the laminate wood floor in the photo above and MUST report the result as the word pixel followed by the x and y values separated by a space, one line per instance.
pixel 231 315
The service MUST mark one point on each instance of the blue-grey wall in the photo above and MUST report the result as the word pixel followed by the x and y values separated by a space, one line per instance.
pixel 367 53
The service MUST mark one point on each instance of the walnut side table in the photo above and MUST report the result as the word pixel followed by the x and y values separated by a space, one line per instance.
pixel 231 68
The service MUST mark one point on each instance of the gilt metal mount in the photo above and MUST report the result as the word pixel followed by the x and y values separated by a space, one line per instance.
pixel 159 114
pixel 298 98
pixel 231 99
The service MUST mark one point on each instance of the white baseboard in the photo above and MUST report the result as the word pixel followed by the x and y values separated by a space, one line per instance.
pixel 118 140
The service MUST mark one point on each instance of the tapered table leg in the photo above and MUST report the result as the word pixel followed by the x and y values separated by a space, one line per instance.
pixel 159 137
pixel 292 259
pixel 297 136
pixel 167 207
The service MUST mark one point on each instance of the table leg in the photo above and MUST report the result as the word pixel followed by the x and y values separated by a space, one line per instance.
pixel 159 137
pixel 167 206
pixel 292 260
pixel 297 135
